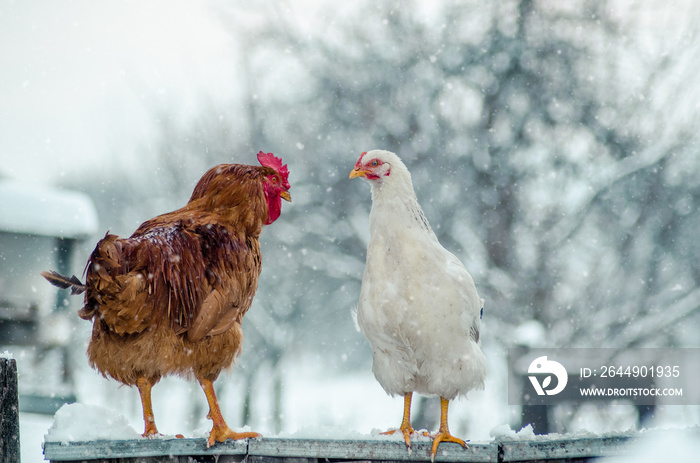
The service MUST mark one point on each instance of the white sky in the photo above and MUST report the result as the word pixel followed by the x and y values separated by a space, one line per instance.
pixel 80 78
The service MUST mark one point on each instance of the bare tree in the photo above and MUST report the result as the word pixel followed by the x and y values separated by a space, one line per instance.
pixel 564 176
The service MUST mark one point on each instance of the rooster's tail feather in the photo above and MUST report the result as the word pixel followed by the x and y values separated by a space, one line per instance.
pixel 56 279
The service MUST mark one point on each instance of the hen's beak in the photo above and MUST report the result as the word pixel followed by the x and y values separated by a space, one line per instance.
pixel 286 196
pixel 357 172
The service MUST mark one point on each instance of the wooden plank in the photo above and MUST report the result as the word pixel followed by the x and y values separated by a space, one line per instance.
pixel 555 449
pixel 284 450
pixel 279 448
pixel 9 411
pixel 268 459
pixel 168 459
pixel 384 450
pixel 106 449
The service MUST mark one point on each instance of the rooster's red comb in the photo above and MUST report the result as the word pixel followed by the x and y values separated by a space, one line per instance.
pixel 270 160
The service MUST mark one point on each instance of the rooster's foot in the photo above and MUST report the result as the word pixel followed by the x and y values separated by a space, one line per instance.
pixel 151 431
pixel 222 433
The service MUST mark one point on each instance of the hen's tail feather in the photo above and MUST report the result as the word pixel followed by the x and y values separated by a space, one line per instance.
pixel 62 281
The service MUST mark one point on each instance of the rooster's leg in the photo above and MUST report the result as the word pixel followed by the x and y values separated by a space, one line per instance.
pixel 220 432
pixel 405 427
pixel 144 386
pixel 443 435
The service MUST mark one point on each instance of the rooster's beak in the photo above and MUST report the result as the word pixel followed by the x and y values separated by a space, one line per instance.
pixel 286 196
pixel 357 172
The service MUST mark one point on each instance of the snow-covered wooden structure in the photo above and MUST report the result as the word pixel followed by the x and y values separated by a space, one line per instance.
pixel 284 450
pixel 40 228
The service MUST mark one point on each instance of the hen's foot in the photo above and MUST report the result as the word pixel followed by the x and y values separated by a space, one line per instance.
pixel 405 428
pixel 444 436
pixel 406 431
pixel 222 433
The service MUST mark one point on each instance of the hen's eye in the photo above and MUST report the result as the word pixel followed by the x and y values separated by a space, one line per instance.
pixel 375 163
pixel 274 179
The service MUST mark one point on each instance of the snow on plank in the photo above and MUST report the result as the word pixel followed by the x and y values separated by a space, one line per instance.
pixel 562 448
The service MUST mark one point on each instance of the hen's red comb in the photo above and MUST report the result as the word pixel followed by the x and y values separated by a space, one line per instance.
pixel 270 160
pixel 358 164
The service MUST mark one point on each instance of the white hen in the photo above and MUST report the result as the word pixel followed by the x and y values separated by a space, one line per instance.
pixel 418 305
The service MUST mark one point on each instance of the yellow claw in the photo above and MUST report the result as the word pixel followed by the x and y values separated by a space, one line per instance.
pixel 144 386
pixel 405 427
pixel 222 433
pixel 407 431
pixel 443 435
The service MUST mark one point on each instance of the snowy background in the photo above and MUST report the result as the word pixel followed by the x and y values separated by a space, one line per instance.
pixel 553 147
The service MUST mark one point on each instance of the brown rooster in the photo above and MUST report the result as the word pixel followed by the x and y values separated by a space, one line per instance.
pixel 170 298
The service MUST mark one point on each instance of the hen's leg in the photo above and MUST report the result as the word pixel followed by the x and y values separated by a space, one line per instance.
pixel 220 432
pixel 145 386
pixel 443 435
pixel 405 427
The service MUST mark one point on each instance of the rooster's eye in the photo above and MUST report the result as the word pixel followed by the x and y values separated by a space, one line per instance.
pixel 274 179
